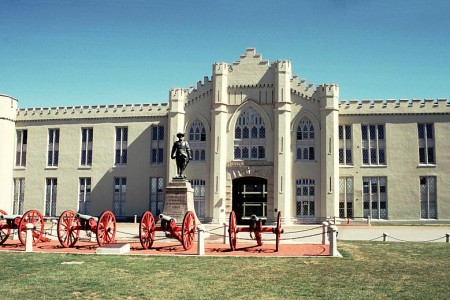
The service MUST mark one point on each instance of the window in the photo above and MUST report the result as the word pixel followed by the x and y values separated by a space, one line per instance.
pixel 375 197
pixel 373 145
pixel 157 145
pixel 156 196
pixel 21 148
pixel 345 145
pixel 428 207
pixel 50 196
pixel 87 135
pixel 345 197
pixel 199 197
pixel 249 136
pixel 426 143
pixel 19 196
pixel 120 196
pixel 53 148
pixel 84 196
pixel 305 140
pixel 305 197
pixel 121 146
pixel 197 141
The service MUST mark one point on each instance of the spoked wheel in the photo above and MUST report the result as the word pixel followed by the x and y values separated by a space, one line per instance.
pixel 4 228
pixel 106 228
pixel 188 230
pixel 147 230
pixel 232 231
pixel 34 217
pixel 68 229
pixel 278 232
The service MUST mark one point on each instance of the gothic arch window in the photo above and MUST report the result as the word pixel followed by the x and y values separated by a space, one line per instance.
pixel 197 140
pixel 249 136
pixel 305 140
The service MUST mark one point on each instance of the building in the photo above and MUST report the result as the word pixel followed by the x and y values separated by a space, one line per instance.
pixel 262 141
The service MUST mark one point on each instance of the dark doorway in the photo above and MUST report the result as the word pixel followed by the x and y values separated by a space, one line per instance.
pixel 249 197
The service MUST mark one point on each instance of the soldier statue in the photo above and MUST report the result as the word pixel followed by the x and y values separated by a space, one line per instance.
pixel 181 152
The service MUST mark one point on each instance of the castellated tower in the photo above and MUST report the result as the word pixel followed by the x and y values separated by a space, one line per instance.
pixel 176 115
pixel 328 96
pixel 282 139
pixel 218 144
pixel 8 108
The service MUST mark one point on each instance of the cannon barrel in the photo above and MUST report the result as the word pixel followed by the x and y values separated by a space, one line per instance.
pixel 166 218
pixel 86 217
pixel 9 217
pixel 254 218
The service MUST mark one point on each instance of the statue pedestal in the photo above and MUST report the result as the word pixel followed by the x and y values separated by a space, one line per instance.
pixel 179 200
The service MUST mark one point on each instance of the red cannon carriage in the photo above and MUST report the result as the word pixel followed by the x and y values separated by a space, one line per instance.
pixel 70 224
pixel 255 228
pixel 184 234
pixel 12 222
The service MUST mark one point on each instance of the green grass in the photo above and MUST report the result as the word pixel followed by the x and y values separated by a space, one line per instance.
pixel 373 270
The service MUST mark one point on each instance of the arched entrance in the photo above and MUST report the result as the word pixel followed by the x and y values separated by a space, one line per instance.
pixel 249 197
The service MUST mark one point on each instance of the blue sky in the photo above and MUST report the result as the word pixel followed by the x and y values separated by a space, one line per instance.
pixel 89 52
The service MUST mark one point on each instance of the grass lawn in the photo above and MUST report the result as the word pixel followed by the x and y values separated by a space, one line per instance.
pixel 368 270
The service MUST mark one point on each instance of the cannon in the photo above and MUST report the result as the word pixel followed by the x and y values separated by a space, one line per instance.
pixel 255 228
pixel 19 222
pixel 184 234
pixel 70 224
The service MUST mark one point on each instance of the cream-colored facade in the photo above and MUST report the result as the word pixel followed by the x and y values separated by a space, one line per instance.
pixel 263 141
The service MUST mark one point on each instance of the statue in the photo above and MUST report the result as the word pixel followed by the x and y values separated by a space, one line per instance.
pixel 181 152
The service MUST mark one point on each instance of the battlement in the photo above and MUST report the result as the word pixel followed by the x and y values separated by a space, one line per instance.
pixel 251 57
pixel 282 66
pixel 92 111
pixel 300 88
pixel 394 106
pixel 221 68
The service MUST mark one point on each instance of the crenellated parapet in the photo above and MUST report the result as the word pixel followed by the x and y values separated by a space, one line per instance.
pixel 92 111
pixel 202 92
pixel 251 57
pixel 394 106
pixel 300 88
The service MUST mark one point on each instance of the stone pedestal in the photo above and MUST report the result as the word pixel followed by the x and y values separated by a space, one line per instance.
pixel 179 200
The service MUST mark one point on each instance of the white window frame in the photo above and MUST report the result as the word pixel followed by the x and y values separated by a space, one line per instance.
pixel 346 204
pixel 374 145
pixel 19 196
pixel 157 145
pixel 87 139
pixel 51 187
pixel 197 141
pixel 345 144
pixel 21 147
pixel 305 140
pixel 427 144
pixel 156 195
pixel 375 197
pixel 428 197
pixel 119 196
pixel 53 147
pixel 84 195
pixel 305 197
pixel 250 136
pixel 199 187
pixel 121 146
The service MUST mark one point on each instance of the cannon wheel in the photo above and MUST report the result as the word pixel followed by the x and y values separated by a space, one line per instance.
pixel 278 232
pixel 4 228
pixel 147 230
pixel 34 217
pixel 106 228
pixel 232 231
pixel 188 230
pixel 68 228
